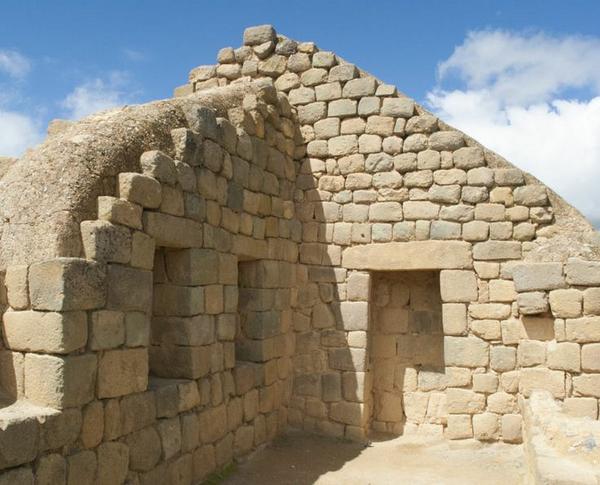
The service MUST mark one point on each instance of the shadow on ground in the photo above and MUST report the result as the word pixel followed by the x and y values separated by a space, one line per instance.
pixel 301 459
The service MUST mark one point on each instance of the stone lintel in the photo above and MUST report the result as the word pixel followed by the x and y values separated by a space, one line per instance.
pixel 406 256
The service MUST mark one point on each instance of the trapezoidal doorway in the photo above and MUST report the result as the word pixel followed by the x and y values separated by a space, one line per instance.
pixel 406 351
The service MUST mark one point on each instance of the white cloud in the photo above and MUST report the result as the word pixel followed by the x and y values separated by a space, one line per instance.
pixel 96 95
pixel 14 64
pixel 17 133
pixel 512 100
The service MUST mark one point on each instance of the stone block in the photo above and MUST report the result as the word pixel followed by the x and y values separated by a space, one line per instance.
pixel 137 329
pixel 502 291
pixel 459 426
pixel 538 276
pixel 122 372
pixel 160 166
pixel 486 426
pixel 582 273
pixel 581 407
pixel 107 330
pixel 415 210
pixel 64 284
pixel 454 318
pixel 331 384
pixel 357 88
pixel 140 189
pixel 46 332
pixel 564 356
pixel 530 195
pixel 458 286
pixel 497 250
pixel 502 358
pixel 81 468
pixel 531 352
pixel 129 288
pixel 60 382
pixel 511 428
pixel 583 330
pixel 590 357
pixel 193 266
pixel 353 315
pixel 259 34
pixel 591 301
pixel 468 157
pixel 349 359
pixel 170 436
pixel 142 251
pixel 348 413
pixel 532 302
pixel 552 381
pixel 174 300
pixel 17 290
pixel 385 212
pixel 587 385
pixel 489 311
pixel 113 463
pixel 464 401
pixel 398 107
pixel 466 352
pixel 172 231
pixel 19 434
pixel 144 449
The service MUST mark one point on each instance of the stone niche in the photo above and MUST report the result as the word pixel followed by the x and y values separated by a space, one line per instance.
pixel 406 350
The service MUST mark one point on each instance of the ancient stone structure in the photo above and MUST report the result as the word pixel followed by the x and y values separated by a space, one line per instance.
pixel 287 242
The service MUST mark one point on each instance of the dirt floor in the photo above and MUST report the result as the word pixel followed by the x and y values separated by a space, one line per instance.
pixel 301 459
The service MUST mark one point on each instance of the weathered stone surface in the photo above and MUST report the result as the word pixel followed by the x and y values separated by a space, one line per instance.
pixel 466 351
pixel 47 332
pixel 122 372
pixel 173 232
pixel 538 276
pixel 67 284
pixel 409 256
pixel 458 286
pixel 584 273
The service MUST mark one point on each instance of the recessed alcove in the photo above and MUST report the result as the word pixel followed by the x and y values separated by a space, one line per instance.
pixel 406 350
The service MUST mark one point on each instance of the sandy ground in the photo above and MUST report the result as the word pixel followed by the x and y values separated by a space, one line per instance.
pixel 301 459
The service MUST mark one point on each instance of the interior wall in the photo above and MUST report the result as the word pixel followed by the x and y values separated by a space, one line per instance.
pixel 406 351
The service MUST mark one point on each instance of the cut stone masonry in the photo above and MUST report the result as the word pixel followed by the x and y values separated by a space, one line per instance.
pixel 288 242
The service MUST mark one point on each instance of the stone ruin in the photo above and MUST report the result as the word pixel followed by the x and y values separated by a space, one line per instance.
pixel 288 242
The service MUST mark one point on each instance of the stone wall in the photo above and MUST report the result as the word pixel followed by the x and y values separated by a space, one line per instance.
pixel 224 276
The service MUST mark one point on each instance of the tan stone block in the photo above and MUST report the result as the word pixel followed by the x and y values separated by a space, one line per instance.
pixel 466 352
pixel 531 352
pixel 67 284
pixel 583 330
pixel 487 329
pixel 512 428
pixel 489 311
pixel 142 251
pixel 591 301
pixel 590 357
pixel 18 440
pixel 17 287
pixel 486 426
pixel 454 318
pixel 398 107
pixel 532 303
pixel 487 270
pixel 463 401
pixel 564 356
pixel 566 303
pixel 385 212
pixel 497 250
pixel 60 382
pixel 459 427
pixel 46 332
pixel 122 372
pixel 390 407
pixel 502 403
pixel 409 255
pixel 502 291
pixel 587 385
pixel 140 189
pixel 468 157
pixel 120 211
pixel 358 286
pixel 581 407
pixel 353 386
pixel 458 286
pixel 354 315
pixel 538 276
pixel 552 381
pixel 502 358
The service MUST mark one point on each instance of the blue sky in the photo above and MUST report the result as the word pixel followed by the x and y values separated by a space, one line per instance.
pixel 504 71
